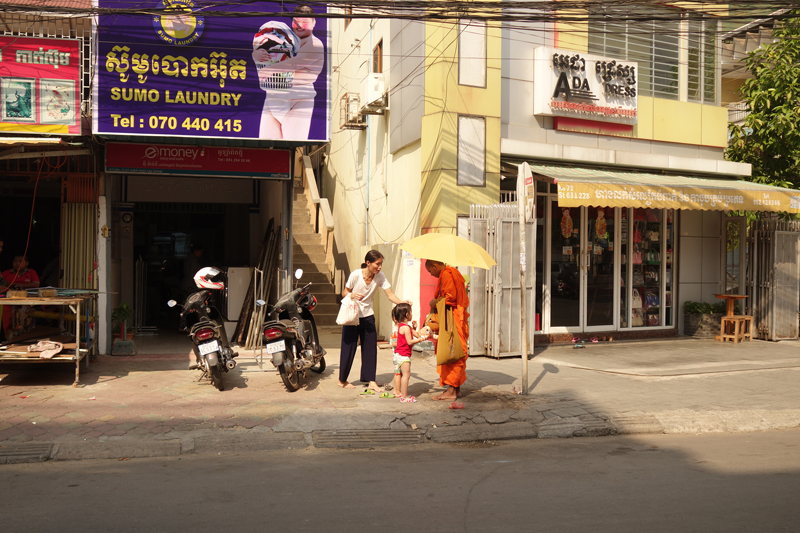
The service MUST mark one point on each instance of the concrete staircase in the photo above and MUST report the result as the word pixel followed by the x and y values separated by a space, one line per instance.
pixel 308 253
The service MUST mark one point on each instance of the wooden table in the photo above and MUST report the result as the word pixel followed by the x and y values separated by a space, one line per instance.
pixel 66 355
pixel 730 301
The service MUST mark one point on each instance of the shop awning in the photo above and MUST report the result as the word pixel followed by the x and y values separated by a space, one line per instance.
pixel 579 186
pixel 13 141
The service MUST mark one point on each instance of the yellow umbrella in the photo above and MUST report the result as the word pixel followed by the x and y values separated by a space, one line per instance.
pixel 449 249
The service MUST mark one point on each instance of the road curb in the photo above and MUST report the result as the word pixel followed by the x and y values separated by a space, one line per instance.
pixel 115 449
pixel 249 442
pixel 380 431
pixel 636 425
pixel 480 432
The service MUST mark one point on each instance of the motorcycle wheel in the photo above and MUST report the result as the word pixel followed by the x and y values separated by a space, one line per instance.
pixel 319 368
pixel 216 377
pixel 290 376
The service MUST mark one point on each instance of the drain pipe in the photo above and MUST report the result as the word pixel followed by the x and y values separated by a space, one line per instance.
pixel 366 224
pixel 369 135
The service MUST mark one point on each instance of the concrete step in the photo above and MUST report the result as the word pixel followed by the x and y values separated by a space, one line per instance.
pixel 326 320
pixel 309 249
pixel 326 308
pixel 303 228
pixel 308 266
pixel 308 253
pixel 308 238
pixel 317 278
pixel 317 259
pixel 326 297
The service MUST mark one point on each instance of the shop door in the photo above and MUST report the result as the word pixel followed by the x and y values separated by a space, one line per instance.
pixel 598 268
pixel 581 269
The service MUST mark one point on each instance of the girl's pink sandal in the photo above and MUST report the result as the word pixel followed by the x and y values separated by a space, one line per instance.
pixel 408 399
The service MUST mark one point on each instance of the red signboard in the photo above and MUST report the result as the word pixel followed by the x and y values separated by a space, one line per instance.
pixel 40 85
pixel 204 161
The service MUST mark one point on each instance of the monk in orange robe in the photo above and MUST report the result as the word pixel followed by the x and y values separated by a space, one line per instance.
pixel 452 288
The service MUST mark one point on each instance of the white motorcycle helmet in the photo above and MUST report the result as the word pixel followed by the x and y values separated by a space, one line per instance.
pixel 203 279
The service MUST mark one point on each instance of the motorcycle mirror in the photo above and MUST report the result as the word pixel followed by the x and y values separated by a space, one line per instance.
pixel 260 302
pixel 298 273
pixel 172 303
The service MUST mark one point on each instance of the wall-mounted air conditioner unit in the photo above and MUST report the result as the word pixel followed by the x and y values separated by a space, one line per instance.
pixel 374 100
pixel 350 117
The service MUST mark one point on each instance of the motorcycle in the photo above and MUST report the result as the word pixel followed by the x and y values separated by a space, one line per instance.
pixel 567 282
pixel 206 328
pixel 290 336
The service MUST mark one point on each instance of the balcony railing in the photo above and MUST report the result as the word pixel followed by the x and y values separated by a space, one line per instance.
pixel 737 111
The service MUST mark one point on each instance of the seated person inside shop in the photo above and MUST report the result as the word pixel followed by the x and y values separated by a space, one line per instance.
pixel 19 277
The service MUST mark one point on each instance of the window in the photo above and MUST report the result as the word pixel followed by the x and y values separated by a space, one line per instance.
pixel 653 44
pixel 377 58
pixel 702 61
pixel 472 53
pixel 348 10
pixel 471 151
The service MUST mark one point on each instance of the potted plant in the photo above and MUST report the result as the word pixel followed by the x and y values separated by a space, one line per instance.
pixel 702 319
pixel 119 319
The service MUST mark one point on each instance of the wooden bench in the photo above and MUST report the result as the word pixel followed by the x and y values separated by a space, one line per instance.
pixel 736 328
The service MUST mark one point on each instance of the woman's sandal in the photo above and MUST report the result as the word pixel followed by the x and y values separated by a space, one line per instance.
pixel 367 392
pixel 386 395
pixel 408 399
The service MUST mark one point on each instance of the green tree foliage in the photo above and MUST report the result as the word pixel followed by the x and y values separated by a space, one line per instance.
pixel 769 138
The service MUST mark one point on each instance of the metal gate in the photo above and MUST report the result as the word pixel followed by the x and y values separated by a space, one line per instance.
pixel 494 295
pixel 774 278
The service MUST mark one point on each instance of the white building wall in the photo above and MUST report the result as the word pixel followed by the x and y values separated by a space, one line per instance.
pixel 104 276
pixel 517 117
pixel 406 80
pixel 372 177
pixel 699 258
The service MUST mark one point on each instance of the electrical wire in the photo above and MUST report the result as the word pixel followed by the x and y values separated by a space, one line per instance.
pixel 30 227
pixel 528 11
pixel 511 14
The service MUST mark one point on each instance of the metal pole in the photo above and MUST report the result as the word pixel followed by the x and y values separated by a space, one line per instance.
pixel 521 178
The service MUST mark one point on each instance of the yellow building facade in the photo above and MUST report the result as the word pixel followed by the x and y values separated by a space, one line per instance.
pixel 458 114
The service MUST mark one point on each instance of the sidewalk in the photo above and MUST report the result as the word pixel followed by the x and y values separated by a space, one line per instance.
pixel 150 405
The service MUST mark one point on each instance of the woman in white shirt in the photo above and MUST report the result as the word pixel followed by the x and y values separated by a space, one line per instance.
pixel 361 286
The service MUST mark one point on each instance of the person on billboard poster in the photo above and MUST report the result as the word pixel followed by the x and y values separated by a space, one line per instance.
pixel 289 61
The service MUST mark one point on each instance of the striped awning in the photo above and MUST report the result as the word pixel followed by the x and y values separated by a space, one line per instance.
pixel 579 186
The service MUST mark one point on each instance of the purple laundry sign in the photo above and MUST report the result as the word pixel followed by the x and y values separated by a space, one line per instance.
pixel 182 73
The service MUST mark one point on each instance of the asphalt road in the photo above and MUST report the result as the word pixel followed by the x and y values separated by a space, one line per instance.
pixel 708 483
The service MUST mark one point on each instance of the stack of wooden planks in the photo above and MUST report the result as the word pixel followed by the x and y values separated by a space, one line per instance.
pixel 248 330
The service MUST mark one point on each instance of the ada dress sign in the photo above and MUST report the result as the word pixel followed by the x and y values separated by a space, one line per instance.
pixel 578 85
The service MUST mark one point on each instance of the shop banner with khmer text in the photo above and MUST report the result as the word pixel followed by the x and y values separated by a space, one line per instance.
pixel 258 70
pixel 40 85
